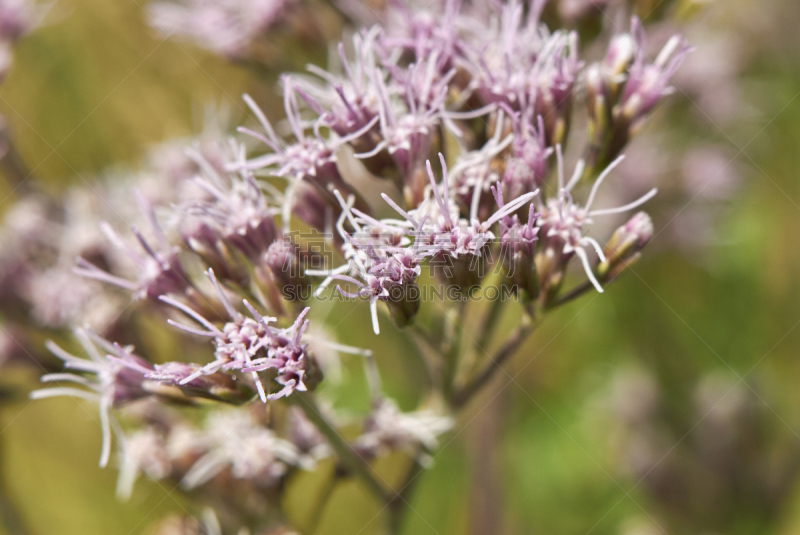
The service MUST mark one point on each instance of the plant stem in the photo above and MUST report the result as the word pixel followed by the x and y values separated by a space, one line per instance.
pixel 571 295
pixel 429 355
pixel 489 323
pixel 351 460
pixel 460 397
pixel 399 502
pixel 452 349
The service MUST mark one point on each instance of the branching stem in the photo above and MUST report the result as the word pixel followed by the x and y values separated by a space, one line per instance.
pixel 349 458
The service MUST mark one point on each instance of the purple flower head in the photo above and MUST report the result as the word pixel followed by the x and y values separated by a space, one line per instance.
pixel 15 19
pixel 623 89
pixel 244 447
pixel 387 429
pixel 476 171
pixel 310 443
pixel 648 82
pixel 519 63
pixel 250 345
pixel 311 157
pixel 109 383
pixel 286 354
pixel 625 245
pixel 348 103
pixel 517 237
pixel 555 83
pixel 504 56
pixel 158 270
pixel 376 253
pixel 444 231
pixel 59 299
pixel 282 259
pixel 420 29
pixel 171 161
pixel 433 231
pixel 564 222
pixel 517 247
pixel 237 212
pixel 226 27
pixel 311 206
pixel 189 377
pixel 143 451
pixel 527 165
pixel 622 51
pixel 407 126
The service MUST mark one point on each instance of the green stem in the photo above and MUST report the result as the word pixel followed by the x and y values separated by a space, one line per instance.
pixel 399 502
pixel 452 349
pixel 490 323
pixel 571 295
pixel 428 354
pixel 460 397
pixel 349 458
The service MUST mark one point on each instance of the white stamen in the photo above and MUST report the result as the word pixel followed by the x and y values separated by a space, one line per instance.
pixel 188 311
pixel 600 179
pixel 105 424
pixel 630 206
pixel 373 307
pixel 588 269
pixel 262 119
pixel 63 391
pixel 597 248
pixel 576 175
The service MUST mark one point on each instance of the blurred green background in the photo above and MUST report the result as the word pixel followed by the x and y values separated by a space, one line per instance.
pixel 672 400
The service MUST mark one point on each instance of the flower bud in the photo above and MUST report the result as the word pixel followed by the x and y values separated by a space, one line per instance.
pixel 397 277
pixel 206 243
pixel 624 88
pixel 167 379
pixel 625 246
pixel 527 165
pixel 648 82
pixel 287 273
pixel 310 207
pixel 621 53
pixel 517 244
pixel 597 104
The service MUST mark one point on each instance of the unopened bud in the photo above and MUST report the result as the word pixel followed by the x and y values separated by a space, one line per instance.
pixel 597 103
pixel 398 277
pixel 621 53
pixel 209 245
pixel 282 260
pixel 518 245
pixel 625 246
pixel 527 164
pixel 404 303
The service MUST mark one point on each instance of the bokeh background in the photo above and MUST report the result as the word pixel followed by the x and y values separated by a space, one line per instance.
pixel 671 402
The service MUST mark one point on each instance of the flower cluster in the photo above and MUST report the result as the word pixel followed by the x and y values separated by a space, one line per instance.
pixel 231 443
pixel 227 27
pixel 433 154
